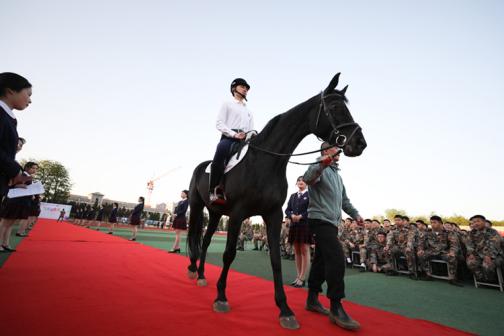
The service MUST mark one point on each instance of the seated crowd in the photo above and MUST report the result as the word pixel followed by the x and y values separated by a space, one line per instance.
pixel 380 247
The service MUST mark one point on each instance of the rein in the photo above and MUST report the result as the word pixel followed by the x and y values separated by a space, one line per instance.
pixel 335 132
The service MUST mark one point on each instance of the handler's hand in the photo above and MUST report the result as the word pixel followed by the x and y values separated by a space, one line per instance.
pixel 326 160
pixel 240 135
pixel 360 220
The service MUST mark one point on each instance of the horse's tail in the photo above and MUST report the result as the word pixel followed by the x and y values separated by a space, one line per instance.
pixel 195 236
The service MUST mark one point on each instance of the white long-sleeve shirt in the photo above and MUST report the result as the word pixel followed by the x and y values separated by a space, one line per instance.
pixel 234 115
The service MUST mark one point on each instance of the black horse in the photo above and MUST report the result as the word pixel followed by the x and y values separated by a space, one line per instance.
pixel 258 186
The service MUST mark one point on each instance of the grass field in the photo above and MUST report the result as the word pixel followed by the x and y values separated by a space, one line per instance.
pixel 470 309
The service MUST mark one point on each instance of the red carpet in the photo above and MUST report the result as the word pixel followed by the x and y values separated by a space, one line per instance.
pixel 68 280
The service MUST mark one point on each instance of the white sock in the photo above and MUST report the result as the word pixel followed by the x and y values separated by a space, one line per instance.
pixel 362 265
pixel 348 260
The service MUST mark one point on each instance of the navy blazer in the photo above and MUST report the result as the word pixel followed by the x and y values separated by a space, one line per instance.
pixel 113 213
pixel 137 212
pixel 25 200
pixel 91 214
pixel 297 206
pixel 84 214
pixel 9 168
pixel 181 208
pixel 100 213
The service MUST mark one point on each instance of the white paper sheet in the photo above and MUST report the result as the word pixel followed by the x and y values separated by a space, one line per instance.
pixel 33 189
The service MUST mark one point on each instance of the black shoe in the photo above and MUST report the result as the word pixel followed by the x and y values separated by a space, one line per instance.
pixel 428 278
pixel 292 257
pixel 8 248
pixel 260 249
pixel 217 194
pixel 109 233
pixel 174 251
pixel 132 239
pixel 455 283
pixel 362 270
pixel 19 235
pixel 299 286
pixel 391 273
pixel 255 249
pixel 317 307
pixel 240 249
pixel 294 282
pixel 340 317
pixel 286 257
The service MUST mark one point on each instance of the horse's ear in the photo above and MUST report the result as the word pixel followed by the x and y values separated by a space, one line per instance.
pixel 332 85
pixel 344 90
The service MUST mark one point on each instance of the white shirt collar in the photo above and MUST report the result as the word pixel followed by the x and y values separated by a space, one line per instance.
pixel 239 102
pixel 302 192
pixel 7 109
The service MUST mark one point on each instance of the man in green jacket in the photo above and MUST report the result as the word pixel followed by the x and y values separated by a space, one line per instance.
pixel 327 198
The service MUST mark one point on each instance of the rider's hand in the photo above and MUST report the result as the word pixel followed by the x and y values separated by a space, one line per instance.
pixel 240 135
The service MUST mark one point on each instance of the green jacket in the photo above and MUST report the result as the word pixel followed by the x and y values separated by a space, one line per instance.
pixel 327 194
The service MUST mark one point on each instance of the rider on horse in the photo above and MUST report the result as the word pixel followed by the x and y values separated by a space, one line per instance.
pixel 234 121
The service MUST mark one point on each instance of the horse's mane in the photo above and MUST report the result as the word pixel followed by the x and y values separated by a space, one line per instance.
pixel 267 129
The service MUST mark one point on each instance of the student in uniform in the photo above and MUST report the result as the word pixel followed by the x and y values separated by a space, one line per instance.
pixel 233 121
pixel 180 223
pixel 83 216
pixel 99 217
pixel 90 217
pixel 30 169
pixel 113 218
pixel 17 209
pixel 15 93
pixel 135 216
pixel 299 236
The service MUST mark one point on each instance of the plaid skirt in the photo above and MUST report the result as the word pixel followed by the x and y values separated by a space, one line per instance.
pixel 135 221
pixel 34 212
pixel 98 218
pixel 300 234
pixel 112 219
pixel 14 211
pixel 180 223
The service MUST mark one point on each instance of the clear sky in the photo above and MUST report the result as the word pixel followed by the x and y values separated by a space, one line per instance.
pixel 123 90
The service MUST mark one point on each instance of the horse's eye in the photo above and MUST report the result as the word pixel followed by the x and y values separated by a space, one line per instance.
pixel 335 106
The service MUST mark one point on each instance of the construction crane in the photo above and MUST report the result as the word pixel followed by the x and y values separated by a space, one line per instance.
pixel 150 185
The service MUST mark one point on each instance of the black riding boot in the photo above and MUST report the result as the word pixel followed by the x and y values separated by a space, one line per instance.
pixel 216 192
pixel 337 315
pixel 313 304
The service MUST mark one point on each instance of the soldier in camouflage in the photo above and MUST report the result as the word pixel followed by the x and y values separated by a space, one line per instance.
pixel 246 235
pixel 260 238
pixel 369 241
pixel 400 243
pixel 378 257
pixel 484 250
pixel 284 234
pixel 354 238
pixel 439 243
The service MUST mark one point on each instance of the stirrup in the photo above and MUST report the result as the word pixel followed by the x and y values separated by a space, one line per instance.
pixel 216 198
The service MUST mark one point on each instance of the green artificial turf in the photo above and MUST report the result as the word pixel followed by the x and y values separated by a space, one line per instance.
pixel 470 309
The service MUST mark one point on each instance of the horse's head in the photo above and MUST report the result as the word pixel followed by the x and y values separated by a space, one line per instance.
pixel 332 121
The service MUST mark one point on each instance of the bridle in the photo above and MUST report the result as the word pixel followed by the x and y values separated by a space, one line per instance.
pixel 335 129
pixel 334 133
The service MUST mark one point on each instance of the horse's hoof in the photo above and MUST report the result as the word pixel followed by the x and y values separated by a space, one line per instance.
pixel 289 322
pixel 192 275
pixel 201 282
pixel 222 307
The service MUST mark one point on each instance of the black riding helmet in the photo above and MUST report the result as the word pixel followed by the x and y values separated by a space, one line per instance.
pixel 239 81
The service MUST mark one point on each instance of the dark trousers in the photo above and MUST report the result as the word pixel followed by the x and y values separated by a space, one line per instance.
pixel 223 149
pixel 329 260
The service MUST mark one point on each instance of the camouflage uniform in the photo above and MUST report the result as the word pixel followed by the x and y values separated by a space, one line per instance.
pixel 246 235
pixel 397 241
pixel 379 257
pixel 261 237
pixel 481 244
pixel 437 246
pixel 284 234
pixel 356 237
pixel 370 242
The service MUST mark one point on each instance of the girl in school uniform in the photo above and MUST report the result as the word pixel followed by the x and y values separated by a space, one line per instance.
pixel 15 93
pixel 83 217
pixel 135 216
pixel 113 218
pixel 180 223
pixel 299 236
pixel 99 217
pixel 16 209
pixel 33 201
pixel 76 218
pixel 90 217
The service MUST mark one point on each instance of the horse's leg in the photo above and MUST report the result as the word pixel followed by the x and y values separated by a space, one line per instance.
pixel 221 303
pixel 194 236
pixel 212 226
pixel 273 227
